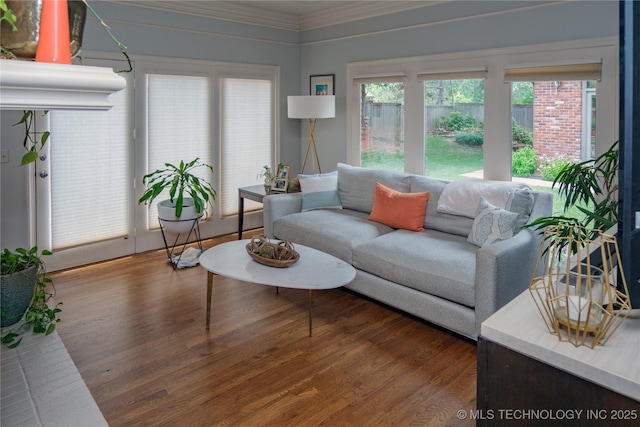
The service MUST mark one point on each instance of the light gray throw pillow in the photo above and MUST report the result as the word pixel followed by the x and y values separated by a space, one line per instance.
pixel 491 224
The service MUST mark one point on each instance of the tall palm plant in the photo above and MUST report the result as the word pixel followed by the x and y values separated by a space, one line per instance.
pixel 591 187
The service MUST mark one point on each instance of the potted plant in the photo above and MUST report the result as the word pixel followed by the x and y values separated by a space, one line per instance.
pixel 591 186
pixel 189 195
pixel 576 284
pixel 23 287
pixel 268 176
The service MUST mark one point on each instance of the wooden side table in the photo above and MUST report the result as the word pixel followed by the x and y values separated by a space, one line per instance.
pixel 252 192
pixel 525 373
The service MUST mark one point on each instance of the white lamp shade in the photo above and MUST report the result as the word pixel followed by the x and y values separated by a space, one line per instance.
pixel 311 107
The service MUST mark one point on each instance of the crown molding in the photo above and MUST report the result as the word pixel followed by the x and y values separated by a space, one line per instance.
pixel 334 13
pixel 355 11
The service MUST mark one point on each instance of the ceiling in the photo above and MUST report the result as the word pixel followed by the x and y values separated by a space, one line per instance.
pixel 297 15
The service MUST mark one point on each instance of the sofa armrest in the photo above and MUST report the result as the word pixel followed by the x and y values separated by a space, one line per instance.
pixel 504 269
pixel 278 205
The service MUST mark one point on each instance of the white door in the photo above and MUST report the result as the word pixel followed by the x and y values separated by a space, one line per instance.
pixel 84 182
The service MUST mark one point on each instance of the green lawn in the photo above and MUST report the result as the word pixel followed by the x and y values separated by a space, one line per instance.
pixel 449 160
pixel 445 159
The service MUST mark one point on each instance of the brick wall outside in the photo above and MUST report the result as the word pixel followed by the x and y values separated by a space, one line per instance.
pixel 557 118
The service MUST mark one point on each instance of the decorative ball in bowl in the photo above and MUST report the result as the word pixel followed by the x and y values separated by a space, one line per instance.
pixel 274 254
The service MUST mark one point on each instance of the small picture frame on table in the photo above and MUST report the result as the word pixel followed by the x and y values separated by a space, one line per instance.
pixel 281 181
pixel 322 84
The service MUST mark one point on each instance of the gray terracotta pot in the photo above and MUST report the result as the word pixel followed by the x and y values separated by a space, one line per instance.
pixel 16 292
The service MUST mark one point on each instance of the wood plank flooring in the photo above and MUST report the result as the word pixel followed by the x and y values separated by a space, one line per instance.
pixel 136 331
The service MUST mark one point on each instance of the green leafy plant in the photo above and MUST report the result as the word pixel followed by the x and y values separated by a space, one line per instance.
pixel 8 15
pixel 179 180
pixel 521 136
pixel 456 121
pixel 267 174
pixel 33 143
pixel 469 138
pixel 107 29
pixel 39 317
pixel 524 162
pixel 591 187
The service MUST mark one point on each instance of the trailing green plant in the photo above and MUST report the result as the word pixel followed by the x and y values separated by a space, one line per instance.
pixel 8 15
pixel 39 317
pixel 469 138
pixel 524 162
pixel 32 142
pixel 179 180
pixel 107 29
pixel 10 18
pixel 591 187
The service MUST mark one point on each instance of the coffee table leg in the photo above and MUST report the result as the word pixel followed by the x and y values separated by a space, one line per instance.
pixel 309 312
pixel 209 291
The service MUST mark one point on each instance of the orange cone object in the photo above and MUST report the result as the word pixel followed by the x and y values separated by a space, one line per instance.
pixel 53 41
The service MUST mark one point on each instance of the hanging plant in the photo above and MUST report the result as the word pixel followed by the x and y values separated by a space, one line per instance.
pixel 33 142
pixel 39 317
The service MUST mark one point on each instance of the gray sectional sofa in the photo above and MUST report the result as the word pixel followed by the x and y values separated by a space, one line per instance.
pixel 435 274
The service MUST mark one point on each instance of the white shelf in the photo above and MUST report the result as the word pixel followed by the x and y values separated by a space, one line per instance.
pixel 28 85
pixel 519 326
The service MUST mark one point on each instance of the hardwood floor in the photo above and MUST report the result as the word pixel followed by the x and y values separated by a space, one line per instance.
pixel 136 331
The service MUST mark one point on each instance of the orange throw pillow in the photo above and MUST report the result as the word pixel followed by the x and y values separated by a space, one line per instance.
pixel 399 210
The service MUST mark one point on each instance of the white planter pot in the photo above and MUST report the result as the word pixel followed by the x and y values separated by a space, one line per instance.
pixel 169 220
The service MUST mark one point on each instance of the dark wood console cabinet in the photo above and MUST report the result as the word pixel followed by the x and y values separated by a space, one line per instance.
pixel 527 377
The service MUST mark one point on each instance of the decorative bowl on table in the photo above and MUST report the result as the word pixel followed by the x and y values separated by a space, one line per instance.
pixel 274 254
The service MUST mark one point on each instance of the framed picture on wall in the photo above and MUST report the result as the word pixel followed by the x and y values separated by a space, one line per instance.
pixel 281 181
pixel 322 84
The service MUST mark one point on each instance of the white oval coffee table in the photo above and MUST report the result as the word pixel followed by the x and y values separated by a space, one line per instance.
pixel 314 270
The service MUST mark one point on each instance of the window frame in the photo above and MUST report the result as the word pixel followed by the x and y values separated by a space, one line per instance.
pixel 497 146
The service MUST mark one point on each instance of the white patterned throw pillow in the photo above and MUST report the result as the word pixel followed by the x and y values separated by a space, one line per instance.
pixel 491 224
pixel 320 191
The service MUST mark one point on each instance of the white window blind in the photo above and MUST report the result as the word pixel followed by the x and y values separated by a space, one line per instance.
pixel 90 174
pixel 456 74
pixel 247 137
pixel 382 78
pixel 563 72
pixel 178 125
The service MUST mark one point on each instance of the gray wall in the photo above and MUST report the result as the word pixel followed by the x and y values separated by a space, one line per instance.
pixel 443 28
pixel 446 27
pixel 149 32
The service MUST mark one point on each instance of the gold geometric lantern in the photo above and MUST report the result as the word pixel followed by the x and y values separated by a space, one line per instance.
pixel 577 294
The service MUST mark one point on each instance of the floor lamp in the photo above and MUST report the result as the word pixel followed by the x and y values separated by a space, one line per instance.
pixel 311 107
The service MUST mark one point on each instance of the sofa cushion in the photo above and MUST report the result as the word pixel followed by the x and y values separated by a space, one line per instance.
pixel 521 202
pixel 431 261
pixel 399 210
pixel 461 197
pixel 334 231
pixel 356 185
pixel 491 224
pixel 320 191
pixel 435 220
